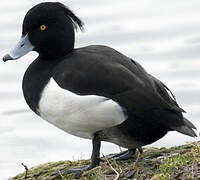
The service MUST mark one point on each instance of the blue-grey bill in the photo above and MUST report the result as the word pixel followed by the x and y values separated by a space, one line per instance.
pixel 23 47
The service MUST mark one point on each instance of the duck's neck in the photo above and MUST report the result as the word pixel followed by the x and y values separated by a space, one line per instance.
pixel 52 56
pixel 35 78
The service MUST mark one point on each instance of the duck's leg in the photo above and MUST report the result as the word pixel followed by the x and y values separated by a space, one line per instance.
pixel 124 155
pixel 95 160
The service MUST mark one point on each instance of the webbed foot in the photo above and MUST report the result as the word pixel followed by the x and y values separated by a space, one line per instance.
pixel 124 155
pixel 95 160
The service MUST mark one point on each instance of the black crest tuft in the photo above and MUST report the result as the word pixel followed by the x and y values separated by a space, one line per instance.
pixel 77 23
pixel 48 11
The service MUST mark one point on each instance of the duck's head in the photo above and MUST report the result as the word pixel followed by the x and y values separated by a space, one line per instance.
pixel 48 28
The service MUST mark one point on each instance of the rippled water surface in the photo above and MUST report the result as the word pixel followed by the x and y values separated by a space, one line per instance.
pixel 163 36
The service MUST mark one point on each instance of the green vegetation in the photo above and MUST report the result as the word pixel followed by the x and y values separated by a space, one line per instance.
pixel 181 162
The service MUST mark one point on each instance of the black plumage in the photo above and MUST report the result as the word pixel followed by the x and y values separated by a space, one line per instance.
pixel 148 104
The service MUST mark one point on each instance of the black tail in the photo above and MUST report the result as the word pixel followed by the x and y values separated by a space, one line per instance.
pixel 186 128
pixel 176 122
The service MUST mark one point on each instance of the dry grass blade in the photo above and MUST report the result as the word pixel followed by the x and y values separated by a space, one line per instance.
pixel 138 155
pixel 62 177
pixel 117 177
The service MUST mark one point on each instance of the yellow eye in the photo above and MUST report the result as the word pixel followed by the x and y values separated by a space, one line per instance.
pixel 42 27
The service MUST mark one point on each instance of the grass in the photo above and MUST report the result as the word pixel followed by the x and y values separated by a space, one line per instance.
pixel 181 162
pixel 167 169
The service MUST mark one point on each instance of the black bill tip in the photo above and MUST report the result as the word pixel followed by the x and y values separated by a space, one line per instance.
pixel 7 57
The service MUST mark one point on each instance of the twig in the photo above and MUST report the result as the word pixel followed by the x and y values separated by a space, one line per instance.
pixel 26 173
pixel 138 155
pixel 62 177
pixel 117 177
pixel 135 164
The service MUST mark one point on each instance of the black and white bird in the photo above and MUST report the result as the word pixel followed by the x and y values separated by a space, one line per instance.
pixel 93 92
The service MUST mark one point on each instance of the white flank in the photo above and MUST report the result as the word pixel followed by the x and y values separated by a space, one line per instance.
pixel 78 115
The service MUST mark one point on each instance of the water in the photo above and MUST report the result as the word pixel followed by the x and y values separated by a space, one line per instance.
pixel 163 36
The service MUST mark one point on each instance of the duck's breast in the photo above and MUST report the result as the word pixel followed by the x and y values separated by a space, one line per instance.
pixel 78 115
